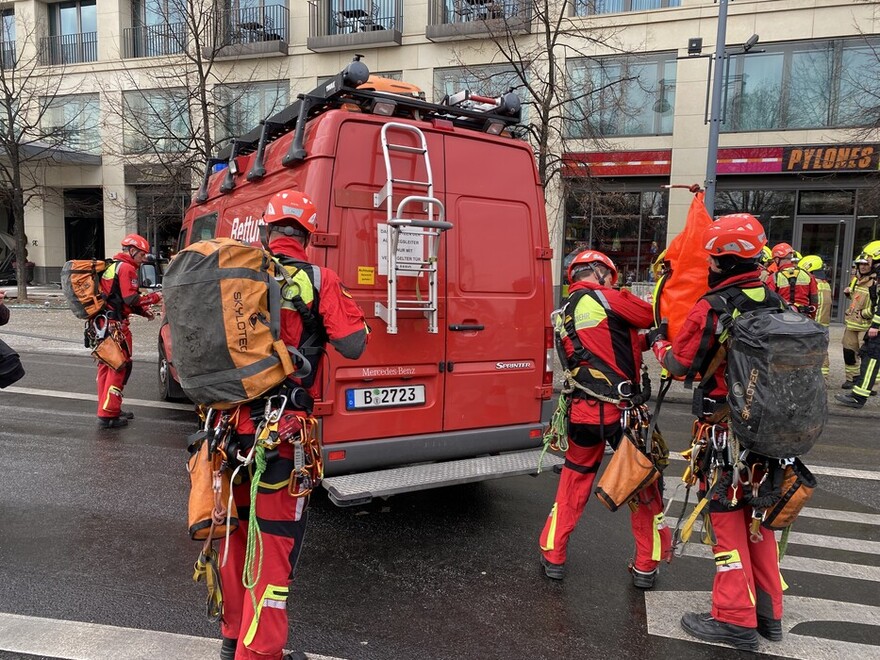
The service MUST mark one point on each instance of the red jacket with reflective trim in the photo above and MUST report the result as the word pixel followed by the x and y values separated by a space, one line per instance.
pixel 806 289
pixel 613 338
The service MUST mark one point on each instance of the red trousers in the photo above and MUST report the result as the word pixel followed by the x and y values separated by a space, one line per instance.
pixel 110 382
pixel 653 539
pixel 747 580
pixel 258 618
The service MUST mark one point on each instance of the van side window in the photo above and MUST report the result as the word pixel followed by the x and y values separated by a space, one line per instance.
pixel 204 228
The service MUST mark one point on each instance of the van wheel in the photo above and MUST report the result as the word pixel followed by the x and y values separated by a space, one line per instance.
pixel 169 389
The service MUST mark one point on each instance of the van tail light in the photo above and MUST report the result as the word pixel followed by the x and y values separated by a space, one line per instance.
pixel 548 357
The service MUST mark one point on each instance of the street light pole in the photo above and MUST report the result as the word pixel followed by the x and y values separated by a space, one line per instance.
pixel 718 68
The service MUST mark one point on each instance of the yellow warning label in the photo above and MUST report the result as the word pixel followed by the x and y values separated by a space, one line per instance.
pixel 366 275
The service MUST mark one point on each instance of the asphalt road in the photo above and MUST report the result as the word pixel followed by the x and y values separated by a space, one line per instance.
pixel 95 561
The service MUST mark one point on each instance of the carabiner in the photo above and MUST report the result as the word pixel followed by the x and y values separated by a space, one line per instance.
pixel 273 414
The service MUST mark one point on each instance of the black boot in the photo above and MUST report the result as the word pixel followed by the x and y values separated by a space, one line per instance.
pixel 227 649
pixel 127 414
pixel 703 626
pixel 643 580
pixel 850 400
pixel 770 628
pixel 112 422
pixel 551 570
pixel 295 655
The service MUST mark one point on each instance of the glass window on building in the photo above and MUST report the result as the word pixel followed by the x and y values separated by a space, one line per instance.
pixel 241 107
pixel 590 7
pixel 73 122
pixel 159 214
pixel 816 84
pixel 155 121
pixel 483 79
pixel 867 218
pixel 613 96
pixel 73 30
pixel 7 38
pixel 629 227
pixel 774 208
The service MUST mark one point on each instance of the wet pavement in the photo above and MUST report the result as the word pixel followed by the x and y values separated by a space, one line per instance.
pixel 93 531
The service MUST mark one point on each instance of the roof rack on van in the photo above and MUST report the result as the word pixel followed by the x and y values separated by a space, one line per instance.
pixel 487 115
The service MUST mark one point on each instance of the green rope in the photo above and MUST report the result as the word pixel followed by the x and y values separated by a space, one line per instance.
pixel 783 542
pixel 250 577
pixel 556 435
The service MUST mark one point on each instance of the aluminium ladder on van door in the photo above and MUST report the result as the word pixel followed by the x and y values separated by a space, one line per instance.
pixel 424 263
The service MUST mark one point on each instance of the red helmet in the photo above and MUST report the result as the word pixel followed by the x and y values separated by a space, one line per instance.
pixel 782 250
pixel 592 256
pixel 738 234
pixel 291 208
pixel 136 241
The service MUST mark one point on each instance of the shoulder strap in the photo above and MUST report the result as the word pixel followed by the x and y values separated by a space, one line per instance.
pixel 582 353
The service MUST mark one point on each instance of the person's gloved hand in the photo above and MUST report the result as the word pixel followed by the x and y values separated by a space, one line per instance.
pixel 658 333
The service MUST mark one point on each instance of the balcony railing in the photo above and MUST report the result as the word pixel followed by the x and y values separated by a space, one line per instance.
pixel 253 25
pixel 455 18
pixel 69 48
pixel 8 56
pixel 335 24
pixel 154 40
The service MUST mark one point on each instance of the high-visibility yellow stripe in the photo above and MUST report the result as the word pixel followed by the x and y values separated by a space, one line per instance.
pixel 862 388
pixel 272 593
pixel 656 550
pixel 551 534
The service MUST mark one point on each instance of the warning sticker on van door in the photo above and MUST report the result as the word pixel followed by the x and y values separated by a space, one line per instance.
pixel 410 248
pixel 382 397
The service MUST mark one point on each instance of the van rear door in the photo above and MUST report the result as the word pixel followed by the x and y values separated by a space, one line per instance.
pixel 495 285
pixel 396 388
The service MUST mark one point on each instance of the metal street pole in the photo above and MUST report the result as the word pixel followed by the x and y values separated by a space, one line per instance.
pixel 718 69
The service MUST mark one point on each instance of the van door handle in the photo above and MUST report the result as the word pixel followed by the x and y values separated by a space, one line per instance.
pixel 466 327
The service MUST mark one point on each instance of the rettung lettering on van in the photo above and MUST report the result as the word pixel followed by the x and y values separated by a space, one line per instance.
pixel 247 230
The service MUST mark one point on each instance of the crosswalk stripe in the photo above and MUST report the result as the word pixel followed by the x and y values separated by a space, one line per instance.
pixel 829 470
pixel 815 540
pixel 664 610
pixel 806 564
pixel 77 640
pixel 78 396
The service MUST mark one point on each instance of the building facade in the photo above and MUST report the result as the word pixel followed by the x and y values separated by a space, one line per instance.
pixel 126 113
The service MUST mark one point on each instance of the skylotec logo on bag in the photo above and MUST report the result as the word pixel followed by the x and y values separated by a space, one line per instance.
pixel 81 284
pixel 223 308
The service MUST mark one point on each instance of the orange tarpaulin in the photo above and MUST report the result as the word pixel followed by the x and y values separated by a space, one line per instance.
pixel 687 269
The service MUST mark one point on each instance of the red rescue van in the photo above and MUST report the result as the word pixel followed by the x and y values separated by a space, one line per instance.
pixel 434 218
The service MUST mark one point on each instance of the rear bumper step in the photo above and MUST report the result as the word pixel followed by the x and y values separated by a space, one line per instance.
pixel 352 489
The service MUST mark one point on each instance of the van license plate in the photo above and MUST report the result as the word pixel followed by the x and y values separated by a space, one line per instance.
pixel 381 397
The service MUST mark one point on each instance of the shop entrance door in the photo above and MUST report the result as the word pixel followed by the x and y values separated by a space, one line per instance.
pixel 831 238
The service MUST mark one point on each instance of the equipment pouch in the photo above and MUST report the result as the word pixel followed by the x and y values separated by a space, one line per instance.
pixel 629 471
pixel 798 484
pixel 209 497
pixel 109 351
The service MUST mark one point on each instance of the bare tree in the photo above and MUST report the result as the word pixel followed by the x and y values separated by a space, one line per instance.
pixel 550 55
pixel 33 134
pixel 173 117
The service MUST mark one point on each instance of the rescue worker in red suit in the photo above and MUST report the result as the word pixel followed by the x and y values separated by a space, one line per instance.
pixel 795 286
pixel 606 322
pixel 330 314
pixel 121 287
pixel 747 591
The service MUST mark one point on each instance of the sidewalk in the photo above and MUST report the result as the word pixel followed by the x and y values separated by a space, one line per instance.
pixel 45 324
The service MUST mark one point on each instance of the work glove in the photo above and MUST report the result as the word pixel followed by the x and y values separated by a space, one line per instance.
pixel 658 333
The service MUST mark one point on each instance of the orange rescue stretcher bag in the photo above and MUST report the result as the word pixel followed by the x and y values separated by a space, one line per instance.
pixel 223 308
pixel 629 472
pixel 211 512
pixel 81 284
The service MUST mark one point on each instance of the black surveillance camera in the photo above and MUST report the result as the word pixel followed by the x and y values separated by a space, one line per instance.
pixel 748 45
pixel 695 45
